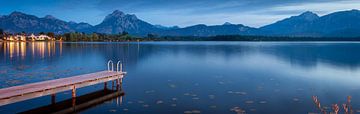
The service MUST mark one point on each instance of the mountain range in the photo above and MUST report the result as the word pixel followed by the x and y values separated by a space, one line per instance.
pixel 307 24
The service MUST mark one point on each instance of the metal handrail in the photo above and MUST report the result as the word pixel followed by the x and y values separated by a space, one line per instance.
pixel 112 65
pixel 119 64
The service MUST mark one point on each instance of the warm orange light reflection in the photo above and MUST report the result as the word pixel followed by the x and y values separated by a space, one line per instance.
pixel 35 49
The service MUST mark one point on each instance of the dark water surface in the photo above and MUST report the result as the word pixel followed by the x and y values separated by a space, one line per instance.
pixel 194 77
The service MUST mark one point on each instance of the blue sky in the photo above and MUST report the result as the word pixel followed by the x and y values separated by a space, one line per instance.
pixel 253 13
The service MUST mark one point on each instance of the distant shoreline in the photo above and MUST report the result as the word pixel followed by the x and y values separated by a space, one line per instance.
pixel 229 39
pixel 125 37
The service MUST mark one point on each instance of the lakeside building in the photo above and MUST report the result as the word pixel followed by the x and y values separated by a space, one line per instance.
pixel 31 37
pixel 10 38
pixel 20 37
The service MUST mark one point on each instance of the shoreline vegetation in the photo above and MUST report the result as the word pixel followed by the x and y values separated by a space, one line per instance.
pixel 125 37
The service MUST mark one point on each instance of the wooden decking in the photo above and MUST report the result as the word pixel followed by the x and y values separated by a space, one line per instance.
pixel 33 90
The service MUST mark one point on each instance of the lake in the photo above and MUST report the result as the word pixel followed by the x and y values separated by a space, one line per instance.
pixel 194 77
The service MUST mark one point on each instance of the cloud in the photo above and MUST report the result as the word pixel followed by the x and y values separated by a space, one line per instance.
pixel 188 12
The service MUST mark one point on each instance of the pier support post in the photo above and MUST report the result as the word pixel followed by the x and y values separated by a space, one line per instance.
pixel 117 84
pixel 74 97
pixel 53 100
pixel 74 92
pixel 105 85
pixel 112 85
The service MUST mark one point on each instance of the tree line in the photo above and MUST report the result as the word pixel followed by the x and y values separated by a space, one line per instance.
pixel 125 36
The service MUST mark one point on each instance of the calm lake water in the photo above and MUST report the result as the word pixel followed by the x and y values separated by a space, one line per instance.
pixel 194 77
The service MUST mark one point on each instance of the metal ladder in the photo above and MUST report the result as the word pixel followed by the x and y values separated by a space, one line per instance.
pixel 119 66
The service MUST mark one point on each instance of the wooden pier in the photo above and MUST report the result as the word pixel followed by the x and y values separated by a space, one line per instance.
pixel 51 87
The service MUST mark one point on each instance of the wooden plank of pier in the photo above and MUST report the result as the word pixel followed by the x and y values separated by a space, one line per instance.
pixel 33 90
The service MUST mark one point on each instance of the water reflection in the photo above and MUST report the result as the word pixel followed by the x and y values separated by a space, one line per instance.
pixel 24 50
pixel 306 55
pixel 244 76
pixel 80 103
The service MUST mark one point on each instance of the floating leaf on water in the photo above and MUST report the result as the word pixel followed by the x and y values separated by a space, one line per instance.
pixel 196 111
pixel 159 102
pixel 249 102
pixel 300 89
pixel 112 110
pixel 140 102
pixel 212 96
pixel 172 85
pixel 187 112
pixel 237 110
pixel 196 98
pixel 241 93
pixel 150 91
pixel 145 105
pixel 212 106
pixel 262 102
pixel 326 108
pixel 296 99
